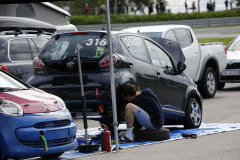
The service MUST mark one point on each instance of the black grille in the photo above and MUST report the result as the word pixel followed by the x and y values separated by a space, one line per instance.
pixel 233 66
pixel 50 143
pixel 230 78
pixel 52 124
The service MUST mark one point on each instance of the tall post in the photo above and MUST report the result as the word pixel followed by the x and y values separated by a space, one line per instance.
pixel 115 6
pixel 198 5
pixel 114 108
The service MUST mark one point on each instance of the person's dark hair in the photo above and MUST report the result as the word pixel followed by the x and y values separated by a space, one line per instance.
pixel 128 89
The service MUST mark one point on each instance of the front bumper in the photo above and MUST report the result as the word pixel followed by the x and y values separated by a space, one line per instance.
pixel 230 75
pixel 20 136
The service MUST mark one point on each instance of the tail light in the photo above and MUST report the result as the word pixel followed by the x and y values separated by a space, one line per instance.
pixel 105 62
pixel 97 92
pixel 225 49
pixel 5 68
pixel 38 64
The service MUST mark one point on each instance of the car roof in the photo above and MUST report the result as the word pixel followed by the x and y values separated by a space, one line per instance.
pixel 154 28
pixel 20 23
pixel 113 33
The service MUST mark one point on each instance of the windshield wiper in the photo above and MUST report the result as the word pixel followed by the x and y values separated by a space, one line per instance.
pixel 11 89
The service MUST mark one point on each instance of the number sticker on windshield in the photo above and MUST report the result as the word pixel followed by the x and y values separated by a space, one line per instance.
pixel 129 42
pixel 96 42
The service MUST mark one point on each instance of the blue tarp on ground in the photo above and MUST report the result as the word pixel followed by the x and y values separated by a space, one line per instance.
pixel 175 133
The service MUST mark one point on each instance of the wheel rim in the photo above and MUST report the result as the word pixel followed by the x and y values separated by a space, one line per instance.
pixel 211 83
pixel 195 113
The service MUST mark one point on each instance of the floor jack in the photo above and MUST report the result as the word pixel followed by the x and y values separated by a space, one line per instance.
pixel 87 146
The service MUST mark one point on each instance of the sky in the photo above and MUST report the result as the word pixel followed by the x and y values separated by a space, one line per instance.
pixel 177 6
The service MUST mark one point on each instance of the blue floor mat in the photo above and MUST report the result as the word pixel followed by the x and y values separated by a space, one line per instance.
pixel 175 133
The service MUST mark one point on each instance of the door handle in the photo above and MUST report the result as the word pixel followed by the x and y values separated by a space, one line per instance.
pixel 196 51
pixel 158 74
pixel 130 64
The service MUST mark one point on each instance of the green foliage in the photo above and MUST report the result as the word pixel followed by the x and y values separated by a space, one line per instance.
pixel 115 19
pixel 225 40
pixel 238 2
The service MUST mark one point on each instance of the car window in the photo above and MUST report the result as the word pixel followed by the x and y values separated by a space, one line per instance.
pixel 59 49
pixel 136 47
pixel 7 81
pixel 152 34
pixel 170 35
pixel 189 35
pixel 183 37
pixel 235 46
pixel 158 56
pixel 40 42
pixel 34 48
pixel 91 46
pixel 19 50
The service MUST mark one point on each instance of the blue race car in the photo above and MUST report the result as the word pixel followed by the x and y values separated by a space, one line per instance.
pixel 33 122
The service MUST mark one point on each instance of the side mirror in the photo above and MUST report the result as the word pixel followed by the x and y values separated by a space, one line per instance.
pixel 181 67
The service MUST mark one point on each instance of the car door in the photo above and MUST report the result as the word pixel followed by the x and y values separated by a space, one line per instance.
pixel 170 87
pixel 190 49
pixel 134 49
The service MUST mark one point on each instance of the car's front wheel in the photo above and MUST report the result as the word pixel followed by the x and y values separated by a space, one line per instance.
pixel 193 114
pixel 208 85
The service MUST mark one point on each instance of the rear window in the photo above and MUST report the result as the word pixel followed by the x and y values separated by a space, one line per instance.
pixel 90 46
pixel 19 50
pixel 40 42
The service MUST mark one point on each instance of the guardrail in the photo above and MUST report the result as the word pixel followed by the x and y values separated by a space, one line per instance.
pixel 210 22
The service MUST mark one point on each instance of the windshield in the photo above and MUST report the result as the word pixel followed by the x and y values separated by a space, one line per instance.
pixel 235 46
pixel 90 46
pixel 152 34
pixel 9 82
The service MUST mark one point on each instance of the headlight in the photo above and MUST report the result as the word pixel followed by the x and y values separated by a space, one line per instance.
pixel 61 102
pixel 11 108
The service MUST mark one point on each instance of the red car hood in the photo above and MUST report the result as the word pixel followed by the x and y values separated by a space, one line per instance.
pixel 33 100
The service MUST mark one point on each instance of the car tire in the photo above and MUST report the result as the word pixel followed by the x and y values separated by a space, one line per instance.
pixel 193 114
pixel 220 85
pixel 56 155
pixel 152 135
pixel 208 85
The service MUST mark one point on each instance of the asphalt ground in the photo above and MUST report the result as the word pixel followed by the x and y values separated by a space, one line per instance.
pixel 220 32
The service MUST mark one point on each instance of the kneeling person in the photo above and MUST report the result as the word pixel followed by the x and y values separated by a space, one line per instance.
pixel 143 109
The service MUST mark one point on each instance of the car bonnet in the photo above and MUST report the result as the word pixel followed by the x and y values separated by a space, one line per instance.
pixel 33 101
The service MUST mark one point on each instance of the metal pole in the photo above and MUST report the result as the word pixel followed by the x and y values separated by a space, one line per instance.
pixel 115 6
pixel 112 75
pixel 82 95
pixel 198 5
